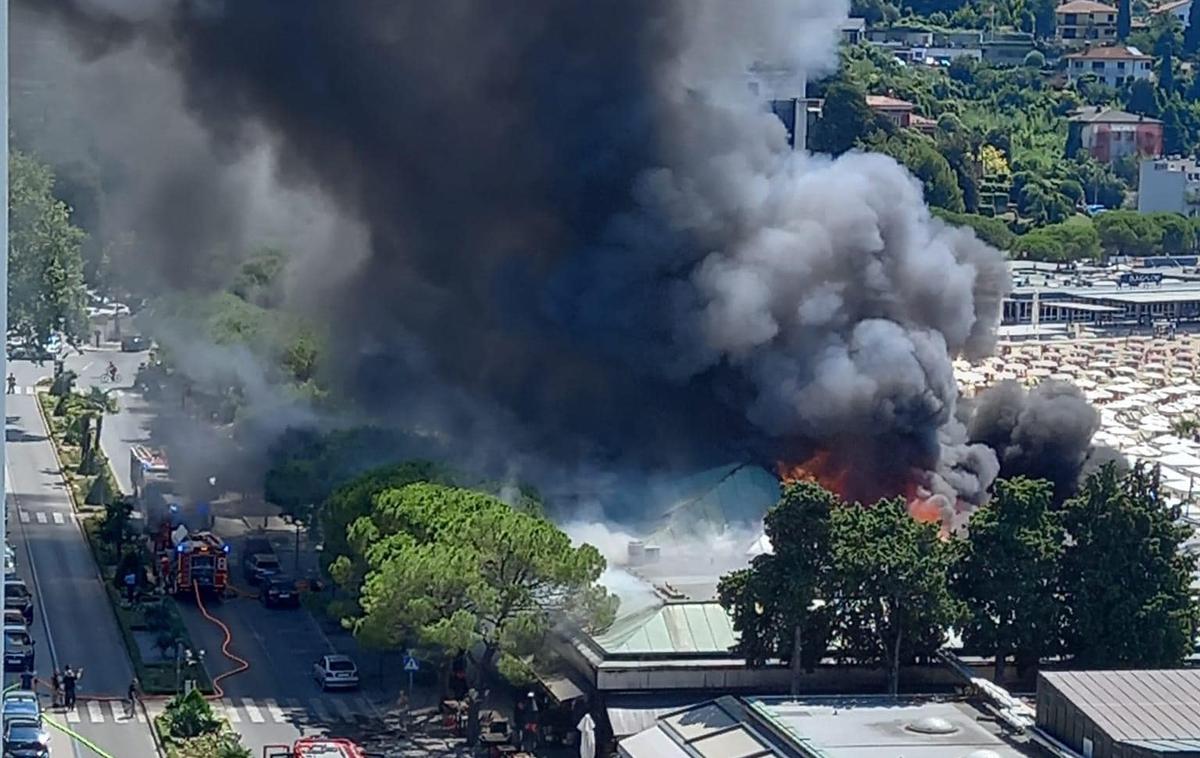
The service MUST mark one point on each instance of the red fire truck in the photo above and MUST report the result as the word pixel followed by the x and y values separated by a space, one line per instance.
pixel 186 558
pixel 318 747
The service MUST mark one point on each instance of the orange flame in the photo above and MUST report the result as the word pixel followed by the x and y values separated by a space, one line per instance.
pixel 821 468
pixel 824 468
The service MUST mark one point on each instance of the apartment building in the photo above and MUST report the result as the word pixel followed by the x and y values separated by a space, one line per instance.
pixel 1083 22
pixel 1113 65
pixel 1169 184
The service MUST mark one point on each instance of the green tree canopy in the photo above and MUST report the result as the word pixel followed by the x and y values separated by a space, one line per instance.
pixel 45 277
pixel 1124 20
pixel 1072 240
pixel 845 119
pixel 454 568
pixel 773 603
pixel 991 230
pixel 920 156
pixel 891 585
pixel 1008 575
pixel 1126 582
pixel 1128 233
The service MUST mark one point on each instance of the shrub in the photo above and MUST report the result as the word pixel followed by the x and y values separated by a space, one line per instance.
pixel 190 716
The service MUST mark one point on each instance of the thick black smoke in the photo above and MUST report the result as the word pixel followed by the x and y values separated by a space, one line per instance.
pixel 1045 432
pixel 584 235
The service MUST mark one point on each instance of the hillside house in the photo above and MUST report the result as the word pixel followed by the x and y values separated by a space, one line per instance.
pixel 1113 66
pixel 1084 22
pixel 1108 135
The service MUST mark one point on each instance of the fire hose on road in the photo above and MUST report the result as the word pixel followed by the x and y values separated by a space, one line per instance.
pixel 242 663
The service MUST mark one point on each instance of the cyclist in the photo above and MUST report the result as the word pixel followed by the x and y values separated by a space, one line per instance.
pixel 111 371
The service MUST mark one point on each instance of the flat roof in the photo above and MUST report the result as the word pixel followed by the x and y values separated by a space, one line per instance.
pixel 879 727
pixel 831 727
pixel 1073 306
pixel 1028 330
pixel 1156 295
pixel 1135 706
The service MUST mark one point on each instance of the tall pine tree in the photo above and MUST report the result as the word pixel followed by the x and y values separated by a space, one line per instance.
pixel 1191 35
pixel 1124 20
pixel 1166 76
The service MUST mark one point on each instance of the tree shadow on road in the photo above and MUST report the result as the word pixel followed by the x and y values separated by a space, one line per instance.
pixel 20 435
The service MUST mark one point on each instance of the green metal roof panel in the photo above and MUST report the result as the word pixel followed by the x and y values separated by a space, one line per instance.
pixel 673 628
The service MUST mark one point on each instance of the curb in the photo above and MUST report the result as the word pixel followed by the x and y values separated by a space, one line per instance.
pixel 62 471
pixel 158 746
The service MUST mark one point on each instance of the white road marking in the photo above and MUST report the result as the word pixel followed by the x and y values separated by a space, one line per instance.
pixel 252 710
pixel 41 517
pixel 73 715
pixel 24 515
pixel 277 714
pixel 318 708
pixel 343 709
pixel 231 712
pixel 58 517
pixel 94 712
pixel 118 710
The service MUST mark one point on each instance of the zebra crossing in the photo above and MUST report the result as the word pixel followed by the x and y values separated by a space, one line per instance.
pixel 321 710
pixel 30 390
pixel 97 712
pixel 55 518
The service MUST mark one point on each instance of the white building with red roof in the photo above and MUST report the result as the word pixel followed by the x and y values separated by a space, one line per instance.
pixel 1113 65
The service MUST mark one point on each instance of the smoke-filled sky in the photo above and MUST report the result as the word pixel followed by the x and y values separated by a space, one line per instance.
pixel 564 232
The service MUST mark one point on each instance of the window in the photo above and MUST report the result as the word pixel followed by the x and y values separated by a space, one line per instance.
pixel 1097 65
pixel 1069 33
pixel 1120 65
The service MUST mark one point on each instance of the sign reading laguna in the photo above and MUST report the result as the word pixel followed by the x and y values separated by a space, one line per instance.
pixel 1135 278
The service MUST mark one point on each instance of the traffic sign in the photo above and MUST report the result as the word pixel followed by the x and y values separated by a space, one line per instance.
pixel 410 664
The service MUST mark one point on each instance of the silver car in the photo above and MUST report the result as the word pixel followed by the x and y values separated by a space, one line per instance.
pixel 335 672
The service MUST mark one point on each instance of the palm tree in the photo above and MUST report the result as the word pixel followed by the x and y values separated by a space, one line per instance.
pixel 95 404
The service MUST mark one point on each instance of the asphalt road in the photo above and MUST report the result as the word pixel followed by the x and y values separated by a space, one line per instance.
pixel 73 622
pixel 275 701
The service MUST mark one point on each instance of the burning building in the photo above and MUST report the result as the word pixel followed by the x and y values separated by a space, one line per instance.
pixel 624 266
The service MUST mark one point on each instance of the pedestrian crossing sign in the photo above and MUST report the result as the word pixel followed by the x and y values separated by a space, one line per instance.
pixel 410 663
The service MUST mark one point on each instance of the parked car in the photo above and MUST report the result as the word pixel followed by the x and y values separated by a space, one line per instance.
pixel 18 648
pixel 25 738
pixel 29 351
pixel 14 617
pixel 22 704
pixel 260 566
pixel 335 672
pixel 279 591
pixel 134 343
pixel 17 597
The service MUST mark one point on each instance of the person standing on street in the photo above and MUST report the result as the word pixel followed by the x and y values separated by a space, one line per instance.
pixel 27 679
pixel 12 383
pixel 134 694
pixel 70 681
pixel 56 689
